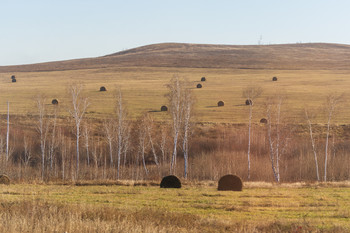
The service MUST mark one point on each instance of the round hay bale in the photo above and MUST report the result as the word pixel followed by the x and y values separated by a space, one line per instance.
pixel 103 88
pixel 13 77
pixel 263 121
pixel 230 183
pixel 54 101
pixel 13 80
pixel 274 79
pixel 248 102
pixel 4 179
pixel 164 108
pixel 203 79
pixel 170 182
pixel 199 85
pixel 221 103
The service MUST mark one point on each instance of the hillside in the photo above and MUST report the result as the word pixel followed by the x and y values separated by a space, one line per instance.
pixel 310 56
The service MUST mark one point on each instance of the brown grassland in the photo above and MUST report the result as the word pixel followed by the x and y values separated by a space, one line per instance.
pixel 93 201
pixel 197 207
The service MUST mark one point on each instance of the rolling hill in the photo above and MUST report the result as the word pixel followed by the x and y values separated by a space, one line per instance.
pixel 308 56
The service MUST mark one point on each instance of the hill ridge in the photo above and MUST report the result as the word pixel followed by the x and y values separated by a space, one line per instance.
pixel 299 56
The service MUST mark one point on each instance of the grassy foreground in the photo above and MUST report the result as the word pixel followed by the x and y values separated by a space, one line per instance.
pixel 260 207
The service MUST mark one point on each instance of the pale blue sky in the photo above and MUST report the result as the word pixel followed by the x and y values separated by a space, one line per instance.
pixel 34 31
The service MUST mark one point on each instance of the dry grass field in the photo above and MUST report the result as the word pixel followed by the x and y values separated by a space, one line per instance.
pixel 144 90
pixel 306 73
pixel 197 207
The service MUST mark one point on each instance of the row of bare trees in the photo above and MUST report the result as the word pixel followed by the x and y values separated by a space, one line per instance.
pixel 279 132
pixel 116 130
pixel 120 145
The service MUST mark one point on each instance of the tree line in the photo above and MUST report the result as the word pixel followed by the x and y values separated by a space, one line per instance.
pixel 77 147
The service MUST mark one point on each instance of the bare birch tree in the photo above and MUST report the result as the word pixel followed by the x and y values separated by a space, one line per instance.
pixel 79 106
pixel 142 130
pixel 312 142
pixel 8 131
pixel 86 135
pixel 42 128
pixel 331 104
pixel 109 129
pixel 187 115
pixel 121 128
pixel 250 93
pixel 53 143
pixel 163 144
pixel 27 155
pixel 175 104
pixel 278 134
pixel 149 125
pixel 180 102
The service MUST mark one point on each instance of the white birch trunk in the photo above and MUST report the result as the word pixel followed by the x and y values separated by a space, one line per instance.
pixel 8 131
pixel 313 144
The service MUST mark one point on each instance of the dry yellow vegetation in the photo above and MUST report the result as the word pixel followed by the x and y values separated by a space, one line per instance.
pixel 144 89
pixel 260 207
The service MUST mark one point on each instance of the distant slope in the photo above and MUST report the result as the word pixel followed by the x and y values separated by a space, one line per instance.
pixel 285 56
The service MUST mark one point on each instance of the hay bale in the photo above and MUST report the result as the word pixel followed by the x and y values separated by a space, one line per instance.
pixel 221 103
pixel 103 88
pixel 4 179
pixel 13 77
pixel 170 182
pixel 263 121
pixel 203 79
pixel 54 101
pixel 248 102
pixel 14 80
pixel 164 108
pixel 274 79
pixel 199 85
pixel 230 183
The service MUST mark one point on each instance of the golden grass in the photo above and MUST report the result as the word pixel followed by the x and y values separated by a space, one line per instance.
pixel 260 207
pixel 144 90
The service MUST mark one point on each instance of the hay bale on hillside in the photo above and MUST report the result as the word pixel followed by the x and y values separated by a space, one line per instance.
pixel 199 85
pixel 54 101
pixel 230 183
pixel 274 79
pixel 103 88
pixel 221 103
pixel 164 108
pixel 170 182
pixel 203 79
pixel 14 80
pixel 248 102
pixel 4 179
pixel 263 121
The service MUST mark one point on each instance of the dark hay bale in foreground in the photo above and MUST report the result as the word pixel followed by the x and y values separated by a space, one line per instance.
pixel 221 103
pixel 263 121
pixel 54 101
pixel 203 79
pixel 103 89
pixel 170 182
pixel 13 77
pixel 14 80
pixel 164 108
pixel 4 179
pixel 230 183
pixel 199 85
pixel 248 102
pixel 274 79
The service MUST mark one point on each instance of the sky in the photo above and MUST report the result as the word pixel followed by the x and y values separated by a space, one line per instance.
pixel 33 31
